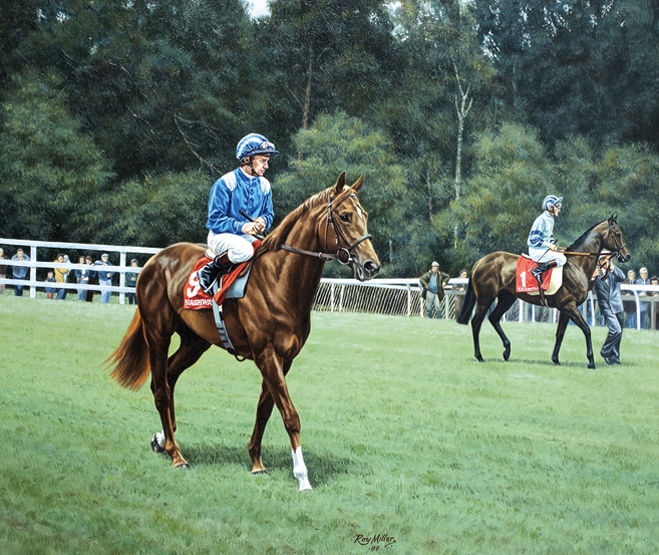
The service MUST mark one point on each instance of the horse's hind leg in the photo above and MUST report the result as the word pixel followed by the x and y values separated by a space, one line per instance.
pixel 477 322
pixel 506 300
pixel 159 326
pixel 263 412
pixel 190 351
pixel 191 348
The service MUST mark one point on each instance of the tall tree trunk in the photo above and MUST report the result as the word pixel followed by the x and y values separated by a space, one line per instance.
pixel 429 184
pixel 462 108
pixel 307 94
pixel 307 98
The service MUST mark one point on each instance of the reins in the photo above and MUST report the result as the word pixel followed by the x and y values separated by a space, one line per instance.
pixel 616 250
pixel 337 233
pixel 344 252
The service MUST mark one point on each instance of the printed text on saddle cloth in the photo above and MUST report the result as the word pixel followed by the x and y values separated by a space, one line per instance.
pixel 193 295
pixel 525 281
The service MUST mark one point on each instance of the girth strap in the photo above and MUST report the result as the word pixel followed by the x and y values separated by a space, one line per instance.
pixel 218 312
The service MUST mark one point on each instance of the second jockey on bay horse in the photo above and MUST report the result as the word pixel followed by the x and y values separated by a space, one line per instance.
pixel 541 242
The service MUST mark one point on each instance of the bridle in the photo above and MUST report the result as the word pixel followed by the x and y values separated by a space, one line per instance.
pixel 616 248
pixel 344 253
pixel 603 251
pixel 605 255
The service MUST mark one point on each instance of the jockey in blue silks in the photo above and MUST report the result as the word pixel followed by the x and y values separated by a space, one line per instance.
pixel 230 234
pixel 541 242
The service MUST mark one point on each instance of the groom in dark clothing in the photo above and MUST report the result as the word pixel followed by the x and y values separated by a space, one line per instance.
pixel 607 287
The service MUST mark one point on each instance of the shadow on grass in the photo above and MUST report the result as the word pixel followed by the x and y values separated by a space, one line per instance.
pixel 322 464
pixel 540 362
pixel 601 363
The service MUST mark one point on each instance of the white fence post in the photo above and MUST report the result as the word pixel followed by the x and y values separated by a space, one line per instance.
pixel 122 277
pixel 33 271
pixel 409 299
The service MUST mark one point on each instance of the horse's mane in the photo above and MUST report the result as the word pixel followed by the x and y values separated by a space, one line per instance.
pixel 277 237
pixel 581 239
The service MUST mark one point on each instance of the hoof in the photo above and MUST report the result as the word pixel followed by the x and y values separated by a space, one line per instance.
pixel 257 472
pixel 591 366
pixel 182 465
pixel 158 443
pixel 506 356
pixel 555 361
pixel 480 359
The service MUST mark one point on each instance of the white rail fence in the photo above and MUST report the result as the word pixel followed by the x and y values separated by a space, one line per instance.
pixel 33 248
pixel 377 296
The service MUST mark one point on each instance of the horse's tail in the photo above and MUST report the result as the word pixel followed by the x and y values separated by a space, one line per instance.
pixel 131 357
pixel 467 305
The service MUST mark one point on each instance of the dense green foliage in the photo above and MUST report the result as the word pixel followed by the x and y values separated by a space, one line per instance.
pixel 403 433
pixel 116 117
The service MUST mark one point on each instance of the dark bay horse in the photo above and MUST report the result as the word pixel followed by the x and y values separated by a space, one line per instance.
pixel 269 325
pixel 493 277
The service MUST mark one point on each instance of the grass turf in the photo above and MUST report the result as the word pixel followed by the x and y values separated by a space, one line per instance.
pixel 409 442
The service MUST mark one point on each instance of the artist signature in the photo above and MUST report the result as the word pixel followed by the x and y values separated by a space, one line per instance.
pixel 375 541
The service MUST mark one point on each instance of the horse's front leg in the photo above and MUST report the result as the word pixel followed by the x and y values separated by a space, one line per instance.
pixel 263 412
pixel 272 366
pixel 577 318
pixel 563 320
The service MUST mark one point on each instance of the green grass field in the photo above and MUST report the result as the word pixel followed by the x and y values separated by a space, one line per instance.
pixel 405 436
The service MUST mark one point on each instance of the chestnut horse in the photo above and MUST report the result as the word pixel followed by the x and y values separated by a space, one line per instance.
pixel 270 325
pixel 493 276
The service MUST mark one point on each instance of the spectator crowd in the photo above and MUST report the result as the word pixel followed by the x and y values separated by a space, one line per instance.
pixel 99 272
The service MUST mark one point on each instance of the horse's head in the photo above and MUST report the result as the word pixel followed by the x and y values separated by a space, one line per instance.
pixel 345 227
pixel 614 241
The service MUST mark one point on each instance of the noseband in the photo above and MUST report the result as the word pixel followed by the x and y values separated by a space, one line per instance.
pixel 344 253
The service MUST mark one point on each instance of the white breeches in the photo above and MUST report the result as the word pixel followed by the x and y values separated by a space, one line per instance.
pixel 542 256
pixel 238 247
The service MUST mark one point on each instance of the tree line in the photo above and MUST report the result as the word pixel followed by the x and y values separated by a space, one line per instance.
pixel 117 117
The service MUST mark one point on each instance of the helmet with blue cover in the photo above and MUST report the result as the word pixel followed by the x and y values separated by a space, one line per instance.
pixel 550 201
pixel 253 144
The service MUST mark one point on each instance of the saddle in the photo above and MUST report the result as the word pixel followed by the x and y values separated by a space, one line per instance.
pixel 229 286
pixel 552 280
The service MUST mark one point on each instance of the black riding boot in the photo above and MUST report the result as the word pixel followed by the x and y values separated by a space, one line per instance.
pixel 210 273
pixel 538 271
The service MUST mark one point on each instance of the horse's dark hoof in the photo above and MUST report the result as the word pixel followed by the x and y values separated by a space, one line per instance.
pixel 555 361
pixel 156 444
pixel 506 355
pixel 256 472
pixel 182 465
pixel 591 366
pixel 480 358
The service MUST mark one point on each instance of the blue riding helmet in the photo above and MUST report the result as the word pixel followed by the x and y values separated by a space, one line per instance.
pixel 550 201
pixel 253 144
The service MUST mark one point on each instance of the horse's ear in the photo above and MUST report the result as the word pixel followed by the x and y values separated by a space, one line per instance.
pixel 358 184
pixel 340 183
pixel 613 219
